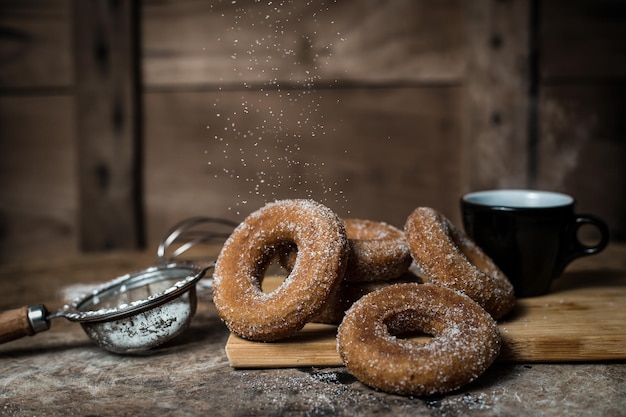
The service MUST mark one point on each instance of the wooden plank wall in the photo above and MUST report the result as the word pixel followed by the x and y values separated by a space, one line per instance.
pixel 308 99
pixel 581 143
pixel 371 107
pixel 108 124
pixel 38 187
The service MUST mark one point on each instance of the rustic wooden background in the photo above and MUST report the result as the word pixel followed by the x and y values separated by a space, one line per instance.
pixel 119 118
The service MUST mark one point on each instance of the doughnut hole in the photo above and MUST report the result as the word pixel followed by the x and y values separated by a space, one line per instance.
pixel 411 326
pixel 275 267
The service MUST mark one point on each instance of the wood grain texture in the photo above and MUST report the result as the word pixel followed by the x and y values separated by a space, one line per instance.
pixel 38 188
pixel 302 43
pixel 582 319
pixel 370 153
pixel 35 45
pixel 582 98
pixel 444 79
pixel 498 104
pixel 14 324
pixel 108 121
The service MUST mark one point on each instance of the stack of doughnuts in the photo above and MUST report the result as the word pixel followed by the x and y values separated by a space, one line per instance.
pixel 358 274
pixel 378 255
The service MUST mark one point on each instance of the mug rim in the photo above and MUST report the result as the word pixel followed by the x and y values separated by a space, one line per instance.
pixel 518 199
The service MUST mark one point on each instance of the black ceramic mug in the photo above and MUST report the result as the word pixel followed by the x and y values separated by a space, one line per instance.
pixel 531 235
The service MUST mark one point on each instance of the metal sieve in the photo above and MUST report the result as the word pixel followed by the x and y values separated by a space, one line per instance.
pixel 136 311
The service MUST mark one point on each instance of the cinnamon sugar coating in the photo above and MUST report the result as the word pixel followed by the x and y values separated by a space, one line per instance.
pixel 449 258
pixel 378 251
pixel 318 269
pixel 465 339
pixel 349 292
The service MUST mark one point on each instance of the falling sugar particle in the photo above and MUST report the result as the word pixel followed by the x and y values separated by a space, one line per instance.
pixel 286 166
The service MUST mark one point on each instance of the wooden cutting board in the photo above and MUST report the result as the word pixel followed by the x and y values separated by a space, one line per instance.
pixel 582 319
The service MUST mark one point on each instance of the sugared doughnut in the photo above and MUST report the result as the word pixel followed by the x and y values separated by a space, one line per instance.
pixel 465 339
pixel 449 258
pixel 349 292
pixel 319 267
pixel 378 252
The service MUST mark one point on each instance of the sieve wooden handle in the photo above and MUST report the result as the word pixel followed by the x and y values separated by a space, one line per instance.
pixel 17 323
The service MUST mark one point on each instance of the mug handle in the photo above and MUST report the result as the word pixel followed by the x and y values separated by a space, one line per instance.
pixel 585 219
pixel 576 248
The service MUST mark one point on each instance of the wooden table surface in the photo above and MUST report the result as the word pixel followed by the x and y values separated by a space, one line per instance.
pixel 61 372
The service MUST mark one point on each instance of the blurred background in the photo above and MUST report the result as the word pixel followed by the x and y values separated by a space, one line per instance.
pixel 119 118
